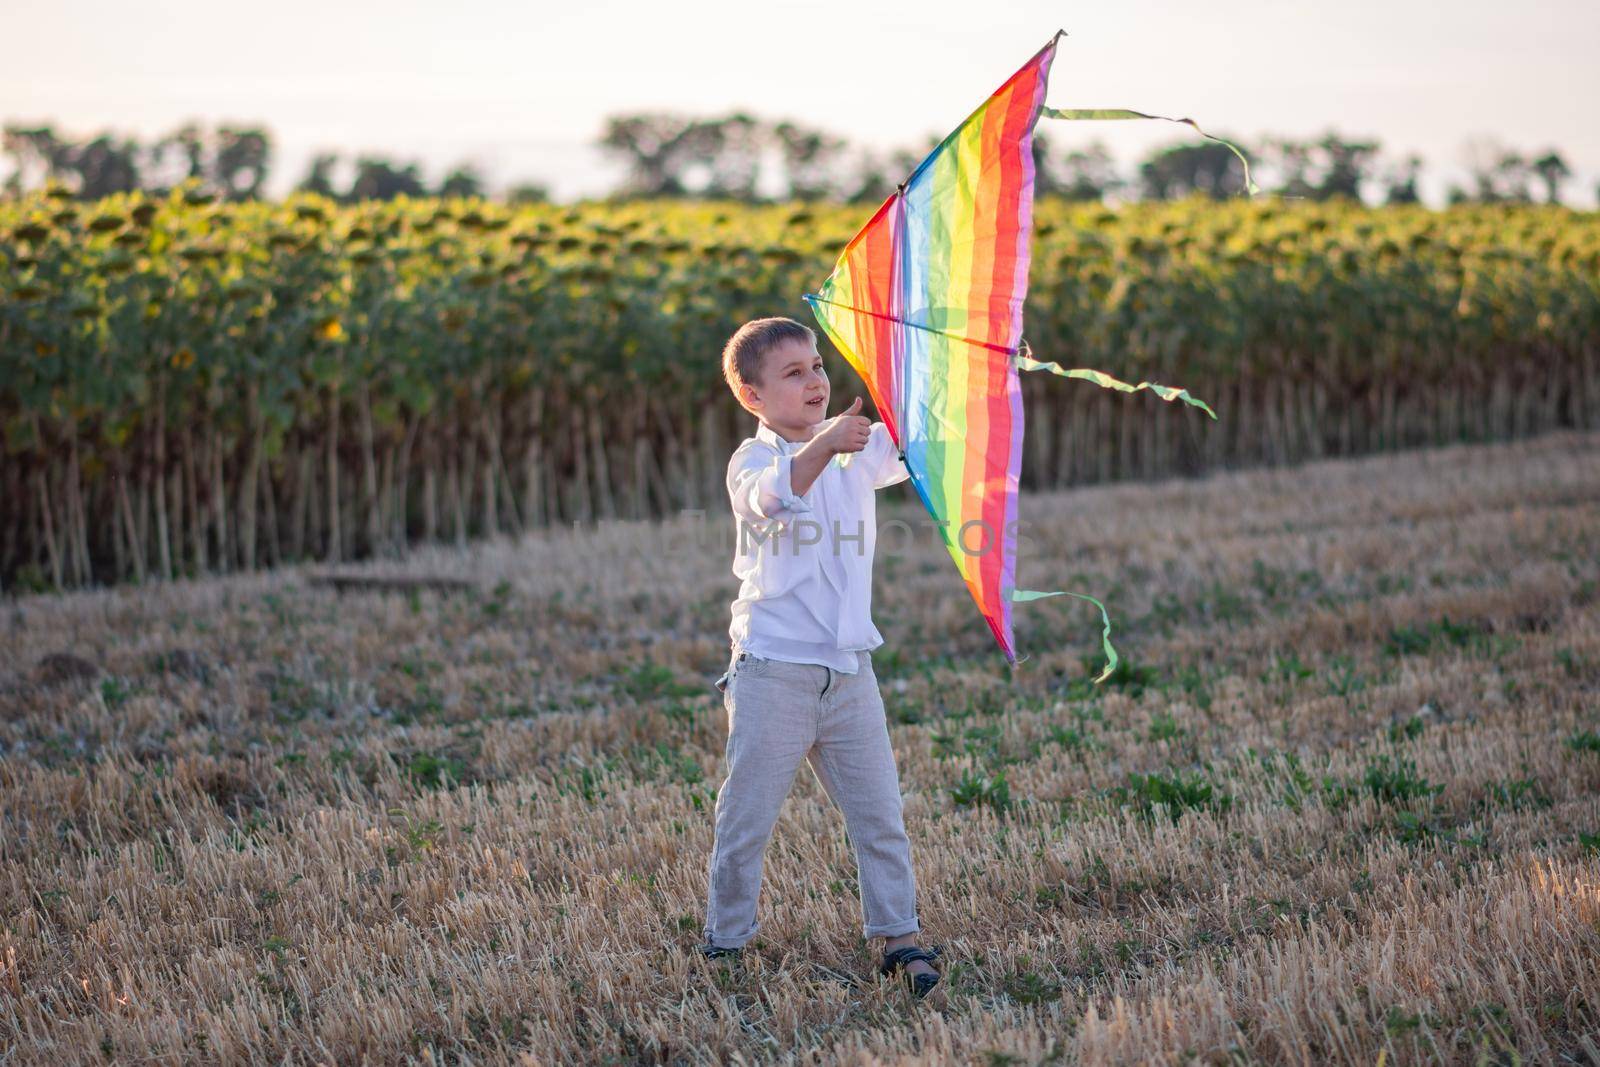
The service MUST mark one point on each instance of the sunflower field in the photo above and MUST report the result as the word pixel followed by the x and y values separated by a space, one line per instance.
pixel 192 386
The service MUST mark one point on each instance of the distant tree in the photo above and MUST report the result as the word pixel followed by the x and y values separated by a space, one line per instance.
pixel 319 178
pixel 240 161
pixel 527 193
pixel 1515 174
pixel 728 152
pixel 91 169
pixel 1294 164
pixel 462 181
pixel 675 155
pixel 873 183
pixel 1321 169
pixel 1081 174
pixel 232 161
pixel 1498 173
pixel 1046 179
pixel 1180 170
pixel 877 174
pixel 654 147
pixel 177 156
pixel 1509 179
pixel 1401 182
pixel 1552 170
pixel 1345 166
pixel 1089 174
pixel 378 178
pixel 810 160
pixel 37 155
pixel 105 166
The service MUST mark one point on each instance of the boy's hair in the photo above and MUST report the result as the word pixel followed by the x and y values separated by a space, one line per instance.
pixel 742 355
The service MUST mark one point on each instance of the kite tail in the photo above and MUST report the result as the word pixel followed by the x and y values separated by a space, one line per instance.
pixel 1019 595
pixel 1024 361
pixel 1124 113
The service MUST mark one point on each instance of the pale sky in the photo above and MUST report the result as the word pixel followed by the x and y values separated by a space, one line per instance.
pixel 523 89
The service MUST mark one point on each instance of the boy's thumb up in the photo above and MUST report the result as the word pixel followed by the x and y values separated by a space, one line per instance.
pixel 855 406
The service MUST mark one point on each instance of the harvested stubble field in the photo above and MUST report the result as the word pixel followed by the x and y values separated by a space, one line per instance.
pixel 1340 804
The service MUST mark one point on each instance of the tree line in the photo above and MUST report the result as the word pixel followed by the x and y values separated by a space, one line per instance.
pixel 746 158
pixel 670 155
pixel 231 162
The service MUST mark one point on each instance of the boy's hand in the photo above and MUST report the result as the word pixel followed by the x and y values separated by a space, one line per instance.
pixel 846 431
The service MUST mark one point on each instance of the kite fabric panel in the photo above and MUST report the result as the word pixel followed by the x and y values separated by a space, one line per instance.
pixel 926 305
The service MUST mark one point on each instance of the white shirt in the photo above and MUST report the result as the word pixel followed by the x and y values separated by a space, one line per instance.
pixel 805 562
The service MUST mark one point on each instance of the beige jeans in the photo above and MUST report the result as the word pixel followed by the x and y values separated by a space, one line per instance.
pixel 778 714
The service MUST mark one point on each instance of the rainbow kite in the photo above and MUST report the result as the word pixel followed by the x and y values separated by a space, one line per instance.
pixel 926 304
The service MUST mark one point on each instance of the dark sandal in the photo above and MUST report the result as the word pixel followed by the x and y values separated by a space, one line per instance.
pixel 715 952
pixel 920 984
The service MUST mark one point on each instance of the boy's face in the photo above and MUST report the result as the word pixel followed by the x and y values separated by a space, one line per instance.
pixel 793 391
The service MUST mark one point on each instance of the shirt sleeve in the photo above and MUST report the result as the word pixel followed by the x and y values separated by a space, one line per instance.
pixel 883 458
pixel 759 486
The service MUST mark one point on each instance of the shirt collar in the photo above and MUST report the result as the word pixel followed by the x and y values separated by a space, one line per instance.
pixel 771 437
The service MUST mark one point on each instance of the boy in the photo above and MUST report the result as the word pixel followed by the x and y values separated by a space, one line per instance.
pixel 800 683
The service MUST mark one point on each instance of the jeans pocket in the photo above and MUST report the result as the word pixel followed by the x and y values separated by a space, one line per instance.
pixel 726 679
pixel 747 663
